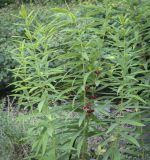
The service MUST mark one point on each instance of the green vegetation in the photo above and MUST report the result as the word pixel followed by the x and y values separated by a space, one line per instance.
pixel 83 75
pixel 12 132
pixel 7 29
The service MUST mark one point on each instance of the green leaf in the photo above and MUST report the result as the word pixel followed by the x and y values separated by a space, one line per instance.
pixel 74 138
pixel 82 117
pixel 137 98
pixel 132 122
pixel 28 34
pixel 85 56
pixel 65 11
pixel 32 89
pixel 52 153
pixel 144 85
pixel 132 140
pixel 40 105
pixel 44 142
pixel 86 75
pixel 38 146
pixel 116 154
pixel 23 11
pixel 97 83
pixel 113 126
pixel 119 89
pixel 60 10
pixel 101 110
pixel 21 88
pixel 51 86
pixel 107 154
pixel 79 146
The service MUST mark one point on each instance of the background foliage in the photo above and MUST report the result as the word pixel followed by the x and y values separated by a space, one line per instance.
pixel 7 29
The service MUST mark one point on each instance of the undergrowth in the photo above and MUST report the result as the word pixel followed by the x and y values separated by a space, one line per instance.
pixel 12 133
